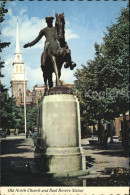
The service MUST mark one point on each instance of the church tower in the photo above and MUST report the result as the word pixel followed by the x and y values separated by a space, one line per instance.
pixel 18 80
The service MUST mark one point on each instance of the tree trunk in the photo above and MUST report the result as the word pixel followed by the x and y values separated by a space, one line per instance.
pixel 94 129
pixel 111 131
pixel 99 133
pixel 125 134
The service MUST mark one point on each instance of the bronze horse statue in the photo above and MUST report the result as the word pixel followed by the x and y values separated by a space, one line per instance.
pixel 57 53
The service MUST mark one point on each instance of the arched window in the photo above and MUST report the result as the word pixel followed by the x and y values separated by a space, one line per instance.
pixel 19 92
pixel 20 86
pixel 16 68
pixel 21 69
pixel 19 89
pixel 18 58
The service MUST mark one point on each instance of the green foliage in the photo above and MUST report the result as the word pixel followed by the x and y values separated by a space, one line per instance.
pixel 31 117
pixel 3 11
pixel 102 85
pixel 11 115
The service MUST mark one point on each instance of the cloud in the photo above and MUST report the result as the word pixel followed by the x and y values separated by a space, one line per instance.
pixel 7 71
pixel 35 76
pixel 67 75
pixel 23 11
pixel 28 28
pixel 70 35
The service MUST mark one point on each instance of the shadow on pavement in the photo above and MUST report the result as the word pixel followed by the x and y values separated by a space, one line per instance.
pixel 89 161
pixel 113 153
pixel 118 177
pixel 15 155
pixel 15 170
pixel 14 146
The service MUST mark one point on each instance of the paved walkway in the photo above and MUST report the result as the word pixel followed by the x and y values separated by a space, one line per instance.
pixel 112 157
pixel 16 153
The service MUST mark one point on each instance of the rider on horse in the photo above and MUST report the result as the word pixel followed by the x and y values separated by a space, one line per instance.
pixel 50 33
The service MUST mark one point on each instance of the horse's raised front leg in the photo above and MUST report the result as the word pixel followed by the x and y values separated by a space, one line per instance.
pixel 55 70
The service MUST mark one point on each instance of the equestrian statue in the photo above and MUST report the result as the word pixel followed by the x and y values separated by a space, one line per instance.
pixel 56 51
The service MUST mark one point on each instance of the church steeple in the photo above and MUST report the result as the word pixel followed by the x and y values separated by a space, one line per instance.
pixel 18 54
pixel 17 40
pixel 18 77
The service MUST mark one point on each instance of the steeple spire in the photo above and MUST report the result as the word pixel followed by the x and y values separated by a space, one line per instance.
pixel 17 40
pixel 19 80
pixel 18 64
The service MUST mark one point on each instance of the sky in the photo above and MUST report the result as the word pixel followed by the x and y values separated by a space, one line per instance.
pixel 86 23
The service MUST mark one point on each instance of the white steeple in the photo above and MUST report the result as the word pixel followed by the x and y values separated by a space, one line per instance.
pixel 18 65
pixel 17 39
pixel 18 54
pixel 18 77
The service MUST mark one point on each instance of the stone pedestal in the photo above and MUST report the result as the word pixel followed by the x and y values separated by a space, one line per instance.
pixel 60 136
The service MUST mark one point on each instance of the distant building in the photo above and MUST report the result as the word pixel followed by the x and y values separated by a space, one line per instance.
pixel 19 81
pixel 38 92
pixel 68 85
pixel 118 124
pixel 28 98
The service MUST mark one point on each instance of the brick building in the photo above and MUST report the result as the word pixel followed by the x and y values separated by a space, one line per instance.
pixel 38 92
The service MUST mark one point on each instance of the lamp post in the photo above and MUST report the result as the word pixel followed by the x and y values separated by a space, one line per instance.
pixel 25 125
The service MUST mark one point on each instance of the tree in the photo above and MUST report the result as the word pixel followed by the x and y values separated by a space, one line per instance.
pixel 116 52
pixel 102 85
pixel 3 11
pixel 11 115
pixel 31 117
pixel 90 91
pixel 3 90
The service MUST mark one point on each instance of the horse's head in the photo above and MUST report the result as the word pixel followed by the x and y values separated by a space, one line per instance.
pixel 60 25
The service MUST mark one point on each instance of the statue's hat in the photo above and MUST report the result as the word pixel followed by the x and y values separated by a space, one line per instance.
pixel 49 18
